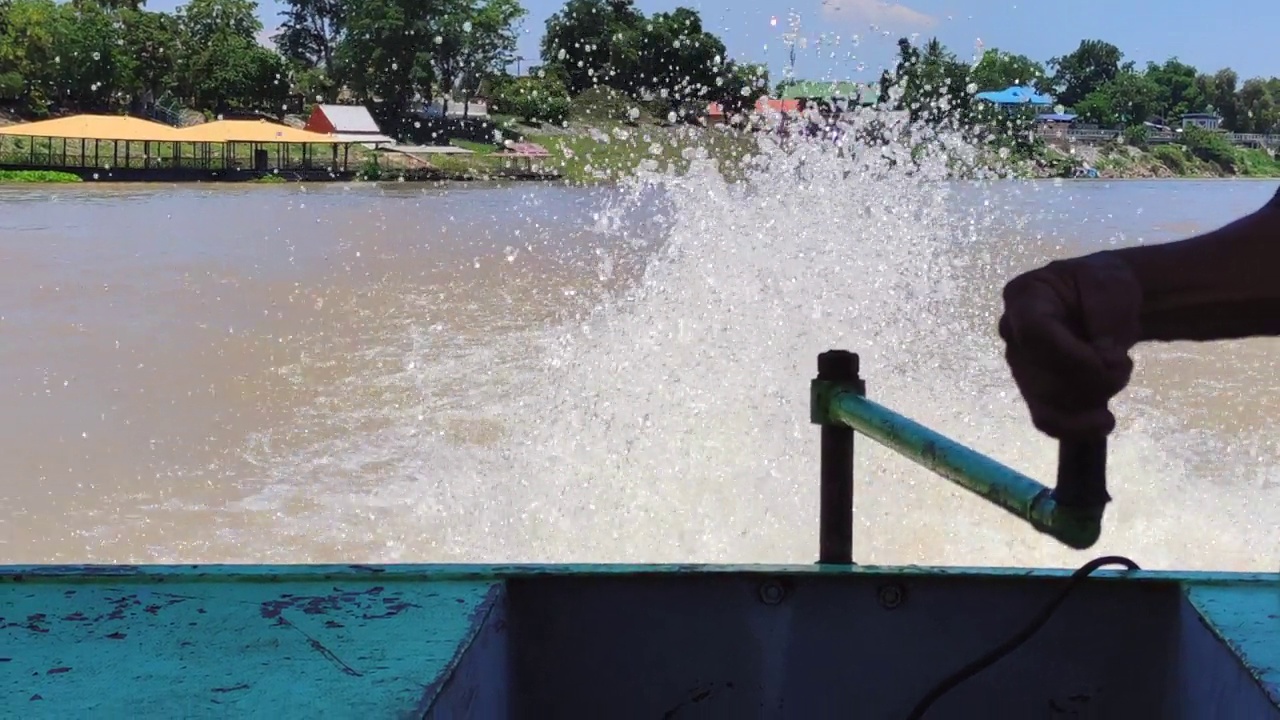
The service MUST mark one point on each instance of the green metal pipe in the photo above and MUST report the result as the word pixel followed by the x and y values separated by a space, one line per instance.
pixel 1000 485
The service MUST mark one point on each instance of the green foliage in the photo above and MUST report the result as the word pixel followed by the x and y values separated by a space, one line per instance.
pixel 1174 157
pixel 222 66
pixel 1179 92
pixel 311 31
pixel 1075 75
pixel 99 54
pixel 532 99
pixel 1210 147
pixel 604 104
pixel 741 85
pixel 594 42
pixel 37 176
pixel 1093 82
pixel 1130 98
pixel 999 70
pixel 393 50
pixel 1136 135
pixel 668 58
pixel 1252 162
pixel 370 169
pixel 930 82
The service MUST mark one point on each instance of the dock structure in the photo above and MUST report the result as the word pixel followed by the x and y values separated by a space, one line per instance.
pixel 118 147
pixel 811 642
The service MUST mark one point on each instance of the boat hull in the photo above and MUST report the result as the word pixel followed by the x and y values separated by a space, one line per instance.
pixel 621 642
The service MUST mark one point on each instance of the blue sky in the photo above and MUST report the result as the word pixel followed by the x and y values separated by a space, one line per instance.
pixel 1205 34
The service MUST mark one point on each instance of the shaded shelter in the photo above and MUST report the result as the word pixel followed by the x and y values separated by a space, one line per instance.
pixel 96 129
pixel 258 135
pixel 88 143
pixel 1016 97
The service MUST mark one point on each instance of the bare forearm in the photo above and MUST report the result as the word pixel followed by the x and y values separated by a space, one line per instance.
pixel 1220 285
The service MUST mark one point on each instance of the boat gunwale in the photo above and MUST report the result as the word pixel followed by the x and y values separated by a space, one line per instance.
pixel 74 573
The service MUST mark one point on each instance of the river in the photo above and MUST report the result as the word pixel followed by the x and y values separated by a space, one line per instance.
pixel 402 373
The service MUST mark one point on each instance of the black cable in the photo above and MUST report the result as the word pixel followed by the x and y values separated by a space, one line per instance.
pixel 998 653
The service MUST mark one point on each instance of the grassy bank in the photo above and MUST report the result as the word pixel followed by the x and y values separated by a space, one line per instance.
pixel 1115 160
pixel 36 176
pixel 579 153
pixel 602 154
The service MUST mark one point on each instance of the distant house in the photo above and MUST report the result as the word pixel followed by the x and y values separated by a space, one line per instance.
pixel 349 123
pixel 1054 124
pixel 773 105
pixel 1206 121
pixel 1016 97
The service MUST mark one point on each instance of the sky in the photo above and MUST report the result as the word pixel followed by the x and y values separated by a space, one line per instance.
pixel 854 39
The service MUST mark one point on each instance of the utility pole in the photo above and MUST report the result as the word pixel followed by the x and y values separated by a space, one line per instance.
pixel 791 38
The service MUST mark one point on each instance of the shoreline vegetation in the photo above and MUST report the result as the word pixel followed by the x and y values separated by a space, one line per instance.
pixel 613 89
pixel 596 151
pixel 589 151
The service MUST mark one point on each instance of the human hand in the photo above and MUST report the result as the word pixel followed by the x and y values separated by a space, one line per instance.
pixel 1068 328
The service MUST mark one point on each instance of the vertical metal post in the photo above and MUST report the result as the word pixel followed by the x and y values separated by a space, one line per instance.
pixel 835 529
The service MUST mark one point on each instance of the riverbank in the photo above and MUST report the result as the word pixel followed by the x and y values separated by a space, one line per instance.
pixel 1118 161
pixel 591 151
pixel 579 153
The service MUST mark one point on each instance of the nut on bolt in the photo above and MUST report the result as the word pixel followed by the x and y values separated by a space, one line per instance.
pixel 892 596
pixel 772 592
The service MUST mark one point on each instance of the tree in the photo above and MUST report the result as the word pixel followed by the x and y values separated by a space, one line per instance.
pixel 311 31
pixel 88 54
pixel 1257 107
pixel 150 52
pixel 1179 93
pixel 1093 64
pixel 532 98
pixel 1220 90
pixel 28 52
pixel 222 65
pixel 1131 98
pixel 740 85
pixel 679 61
pixel 932 82
pixel 489 43
pixel 999 70
pixel 473 40
pixel 386 53
pixel 594 42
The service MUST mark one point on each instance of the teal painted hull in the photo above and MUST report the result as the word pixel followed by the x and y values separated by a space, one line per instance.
pixel 482 642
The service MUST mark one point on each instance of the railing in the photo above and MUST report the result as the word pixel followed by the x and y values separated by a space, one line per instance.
pixel 165 115
pixel 1071 512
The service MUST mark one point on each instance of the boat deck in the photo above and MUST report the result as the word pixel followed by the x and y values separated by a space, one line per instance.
pixel 628 642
